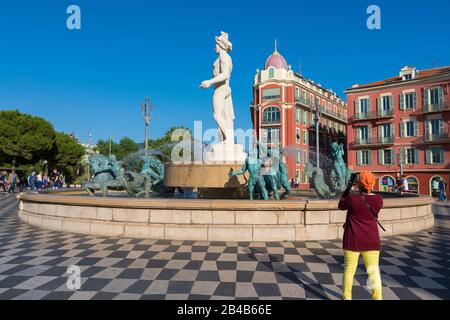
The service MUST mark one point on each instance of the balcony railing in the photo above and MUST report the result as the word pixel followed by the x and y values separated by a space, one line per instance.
pixel 373 115
pixel 439 137
pixel 374 141
pixel 270 122
pixel 310 103
pixel 437 107
pixel 305 101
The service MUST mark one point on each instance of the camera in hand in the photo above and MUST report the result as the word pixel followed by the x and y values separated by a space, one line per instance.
pixel 354 178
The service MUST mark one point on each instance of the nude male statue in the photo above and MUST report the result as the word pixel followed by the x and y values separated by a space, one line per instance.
pixel 222 101
pixel 253 165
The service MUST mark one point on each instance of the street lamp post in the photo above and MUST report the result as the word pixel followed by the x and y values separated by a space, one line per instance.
pixel 147 109
pixel 317 117
pixel 401 161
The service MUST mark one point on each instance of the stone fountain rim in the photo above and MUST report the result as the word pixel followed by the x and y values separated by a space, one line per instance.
pixel 60 197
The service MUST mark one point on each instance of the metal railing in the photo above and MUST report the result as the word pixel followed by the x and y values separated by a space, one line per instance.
pixel 437 107
pixel 438 137
pixel 374 141
pixel 270 122
pixel 310 103
pixel 373 115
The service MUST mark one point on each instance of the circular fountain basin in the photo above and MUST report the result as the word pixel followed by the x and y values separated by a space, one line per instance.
pixel 210 220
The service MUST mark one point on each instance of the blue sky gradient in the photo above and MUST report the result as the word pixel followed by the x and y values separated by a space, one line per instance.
pixel 94 80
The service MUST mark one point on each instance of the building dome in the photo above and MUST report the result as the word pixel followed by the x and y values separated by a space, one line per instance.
pixel 276 60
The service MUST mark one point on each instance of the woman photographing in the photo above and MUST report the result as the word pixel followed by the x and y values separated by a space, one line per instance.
pixel 361 236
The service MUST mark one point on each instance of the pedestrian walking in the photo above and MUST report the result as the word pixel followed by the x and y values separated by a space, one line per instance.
pixel 442 190
pixel 12 179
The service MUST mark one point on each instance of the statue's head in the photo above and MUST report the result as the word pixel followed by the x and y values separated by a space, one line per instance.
pixel 334 146
pixel 223 43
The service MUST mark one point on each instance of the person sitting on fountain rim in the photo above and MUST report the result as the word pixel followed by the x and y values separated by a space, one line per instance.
pixel 361 235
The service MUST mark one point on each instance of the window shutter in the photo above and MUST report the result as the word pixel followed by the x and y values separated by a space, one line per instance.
pixel 403 156
pixel 427 127
pixel 380 131
pixel 428 156
pixel 391 102
pixel 392 156
pixel 416 156
pixel 358 158
pixel 369 157
pixel 369 103
pixel 441 95
pixel 416 128
pixel 380 157
pixel 414 95
pixel 441 126
pixel 369 129
pixel 379 104
pixel 403 129
pixel 392 130
pixel 425 97
pixel 441 155
pixel 402 102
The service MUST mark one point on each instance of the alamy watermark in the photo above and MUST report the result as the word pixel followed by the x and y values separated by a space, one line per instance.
pixel 374 20
pixel 73 21
pixel 74 280
pixel 189 147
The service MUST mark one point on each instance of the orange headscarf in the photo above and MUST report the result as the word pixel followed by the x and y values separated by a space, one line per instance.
pixel 366 180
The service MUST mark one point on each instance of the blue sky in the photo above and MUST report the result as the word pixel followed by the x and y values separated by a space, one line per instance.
pixel 94 79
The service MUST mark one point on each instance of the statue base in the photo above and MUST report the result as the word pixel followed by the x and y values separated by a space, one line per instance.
pixel 222 153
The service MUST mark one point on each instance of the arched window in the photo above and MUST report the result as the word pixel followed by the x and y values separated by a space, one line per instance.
pixel 387 183
pixel 413 184
pixel 271 115
pixel 271 73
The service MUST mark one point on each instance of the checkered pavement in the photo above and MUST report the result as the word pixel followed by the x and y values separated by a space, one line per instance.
pixel 33 265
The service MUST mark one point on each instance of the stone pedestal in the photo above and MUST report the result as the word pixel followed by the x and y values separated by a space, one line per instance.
pixel 223 153
pixel 212 180
pixel 203 176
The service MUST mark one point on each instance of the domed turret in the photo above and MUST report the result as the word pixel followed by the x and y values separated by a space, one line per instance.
pixel 276 60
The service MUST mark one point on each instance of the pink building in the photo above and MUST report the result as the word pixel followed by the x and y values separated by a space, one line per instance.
pixel 402 124
pixel 282 114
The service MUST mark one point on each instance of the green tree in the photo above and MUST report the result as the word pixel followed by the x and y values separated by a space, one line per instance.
pixel 165 143
pixel 103 147
pixel 24 138
pixel 126 147
pixel 67 155
pixel 122 149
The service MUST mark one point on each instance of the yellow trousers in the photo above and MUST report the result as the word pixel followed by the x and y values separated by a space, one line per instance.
pixel 371 260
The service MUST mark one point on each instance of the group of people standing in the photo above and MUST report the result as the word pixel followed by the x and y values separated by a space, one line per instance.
pixel 439 187
pixel 39 181
pixel 401 184
pixel 10 182
pixel 295 183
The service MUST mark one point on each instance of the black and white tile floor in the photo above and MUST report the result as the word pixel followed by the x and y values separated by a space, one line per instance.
pixel 34 262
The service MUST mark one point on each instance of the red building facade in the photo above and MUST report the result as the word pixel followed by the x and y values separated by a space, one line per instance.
pixel 282 115
pixel 401 125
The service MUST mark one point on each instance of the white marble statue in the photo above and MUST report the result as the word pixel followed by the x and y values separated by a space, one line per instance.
pixel 225 151
pixel 222 101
